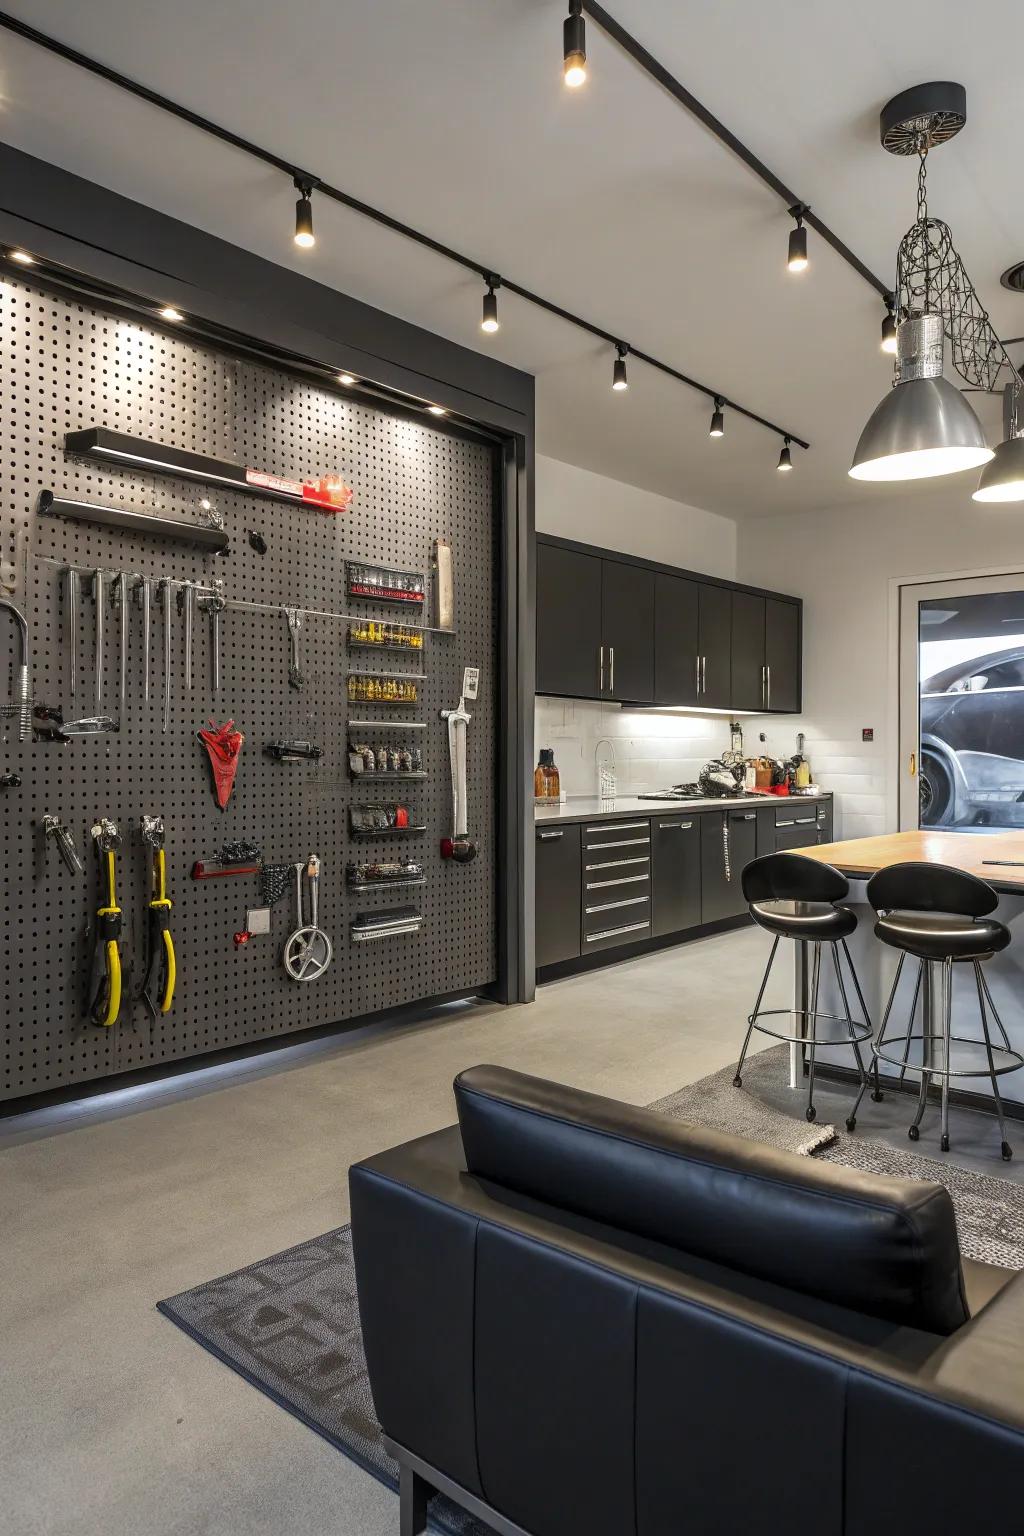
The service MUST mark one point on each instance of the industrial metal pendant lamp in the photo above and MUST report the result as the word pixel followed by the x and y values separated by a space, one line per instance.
pixel 924 426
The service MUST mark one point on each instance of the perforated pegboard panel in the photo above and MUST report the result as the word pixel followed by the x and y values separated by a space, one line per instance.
pixel 65 365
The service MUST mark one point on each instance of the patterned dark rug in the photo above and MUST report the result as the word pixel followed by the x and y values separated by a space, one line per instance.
pixel 290 1324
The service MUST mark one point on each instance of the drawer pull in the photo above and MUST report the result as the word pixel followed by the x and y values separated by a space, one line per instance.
pixel 742 815
pixel 625 842
pixel 618 863
pixel 620 826
pixel 546 836
pixel 627 901
pixel 612 933
pixel 666 826
pixel 597 885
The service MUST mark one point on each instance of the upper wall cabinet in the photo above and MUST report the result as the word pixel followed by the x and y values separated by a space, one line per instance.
pixel 613 627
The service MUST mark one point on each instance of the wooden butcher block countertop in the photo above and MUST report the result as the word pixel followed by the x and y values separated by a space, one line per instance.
pixel 970 851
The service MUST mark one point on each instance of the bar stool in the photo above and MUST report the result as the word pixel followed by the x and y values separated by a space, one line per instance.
pixel 941 916
pixel 795 898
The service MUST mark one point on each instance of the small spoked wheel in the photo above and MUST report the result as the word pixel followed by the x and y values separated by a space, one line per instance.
pixel 737 1081
pixel 810 1113
pixel 877 1096
pixel 851 1124
pixel 1007 1151
pixel 914 1133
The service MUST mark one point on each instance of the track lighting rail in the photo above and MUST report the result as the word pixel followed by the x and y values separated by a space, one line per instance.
pixel 482 269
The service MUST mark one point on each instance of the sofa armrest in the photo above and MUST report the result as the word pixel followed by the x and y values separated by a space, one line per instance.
pixel 982 1365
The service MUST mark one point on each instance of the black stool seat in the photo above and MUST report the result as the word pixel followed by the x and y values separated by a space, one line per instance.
pixel 942 936
pixel 813 920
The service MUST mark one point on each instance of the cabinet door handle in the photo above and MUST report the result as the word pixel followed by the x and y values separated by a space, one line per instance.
pixel 697 666
pixel 546 836
pixel 703 674
pixel 764 687
pixel 600 669
pixel 666 826
pixel 743 816
pixel 611 669
pixel 769 672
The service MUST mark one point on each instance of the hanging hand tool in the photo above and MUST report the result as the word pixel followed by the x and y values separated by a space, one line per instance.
pixel 295 677
pixel 55 829
pixel 293 751
pixel 72 591
pixel 63 731
pixel 99 598
pixel 214 603
pixel 10 780
pixel 223 744
pixel 459 846
pixel 23 677
pixel 105 979
pixel 161 964
pixel 122 610
pixel 187 608
pixel 165 589
pixel 144 594
pixel 308 950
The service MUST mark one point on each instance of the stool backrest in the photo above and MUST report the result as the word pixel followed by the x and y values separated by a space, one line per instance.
pixel 923 887
pixel 792 877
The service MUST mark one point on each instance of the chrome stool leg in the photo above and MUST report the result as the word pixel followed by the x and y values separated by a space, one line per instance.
pixel 947 1030
pixel 877 1091
pixel 910 1024
pixel 1005 1148
pixel 810 1112
pixel 737 1081
pixel 992 1006
pixel 851 1119
pixel 925 977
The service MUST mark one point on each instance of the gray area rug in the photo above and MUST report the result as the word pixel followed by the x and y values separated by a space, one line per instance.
pixel 290 1323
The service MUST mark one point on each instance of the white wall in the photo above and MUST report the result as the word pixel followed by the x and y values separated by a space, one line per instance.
pixel 577 504
pixel 650 750
pixel 842 564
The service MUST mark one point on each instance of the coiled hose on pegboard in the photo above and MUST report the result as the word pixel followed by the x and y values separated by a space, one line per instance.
pixel 23 679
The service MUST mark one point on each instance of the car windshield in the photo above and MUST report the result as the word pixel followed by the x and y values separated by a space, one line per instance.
pixel 1008 674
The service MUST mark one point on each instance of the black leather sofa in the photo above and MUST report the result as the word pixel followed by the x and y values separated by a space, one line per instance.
pixel 581 1317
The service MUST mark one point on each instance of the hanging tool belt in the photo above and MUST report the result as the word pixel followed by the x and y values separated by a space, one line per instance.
pixel 161 964
pixel 105 979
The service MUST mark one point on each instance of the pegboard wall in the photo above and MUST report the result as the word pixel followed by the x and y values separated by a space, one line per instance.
pixel 65 365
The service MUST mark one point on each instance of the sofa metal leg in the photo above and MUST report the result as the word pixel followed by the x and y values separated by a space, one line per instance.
pixel 414 1493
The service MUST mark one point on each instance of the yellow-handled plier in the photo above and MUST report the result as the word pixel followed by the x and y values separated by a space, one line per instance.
pixel 105 982
pixel 161 966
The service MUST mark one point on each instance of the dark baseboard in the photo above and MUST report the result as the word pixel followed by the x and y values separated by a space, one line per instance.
pixel 607 957
pixel 962 1098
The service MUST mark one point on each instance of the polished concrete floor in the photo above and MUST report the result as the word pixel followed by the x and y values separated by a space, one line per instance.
pixel 111 1420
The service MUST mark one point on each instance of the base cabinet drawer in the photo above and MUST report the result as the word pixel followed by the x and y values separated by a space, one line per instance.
pixel 557 894
pixel 728 842
pixel 796 826
pixel 675 864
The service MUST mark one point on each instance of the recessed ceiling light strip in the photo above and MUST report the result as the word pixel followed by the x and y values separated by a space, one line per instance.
pixel 303 178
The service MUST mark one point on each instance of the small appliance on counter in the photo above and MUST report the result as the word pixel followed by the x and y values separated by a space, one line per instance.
pixel 547 784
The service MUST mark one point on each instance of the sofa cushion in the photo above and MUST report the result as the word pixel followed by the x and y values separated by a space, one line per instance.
pixel 885 1247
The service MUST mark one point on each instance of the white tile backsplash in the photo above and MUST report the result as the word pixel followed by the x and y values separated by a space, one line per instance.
pixel 651 750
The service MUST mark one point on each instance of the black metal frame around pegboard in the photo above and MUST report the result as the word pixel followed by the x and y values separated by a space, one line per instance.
pixel 66 364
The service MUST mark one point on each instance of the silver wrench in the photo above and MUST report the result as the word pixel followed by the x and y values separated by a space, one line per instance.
pixel 144 593
pixel 187 606
pixel 71 591
pixel 295 677
pixel 122 607
pixel 214 604
pixel 99 597
pixel 165 597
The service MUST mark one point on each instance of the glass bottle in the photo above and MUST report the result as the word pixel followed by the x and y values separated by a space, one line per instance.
pixel 546 782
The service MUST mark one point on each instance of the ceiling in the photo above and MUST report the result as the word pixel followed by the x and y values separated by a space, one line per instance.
pixel 451 116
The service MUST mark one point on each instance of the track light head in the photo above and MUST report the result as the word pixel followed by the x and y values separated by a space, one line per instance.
pixel 717 428
pixel 574 46
pixel 797 260
pixel 888 343
pixel 489 321
pixel 619 379
pixel 304 235
pixel 785 463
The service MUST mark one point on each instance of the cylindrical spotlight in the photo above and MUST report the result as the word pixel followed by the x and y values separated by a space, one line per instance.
pixel 888 342
pixel 717 428
pixel 574 46
pixel 785 457
pixel 619 379
pixel 304 235
pixel 797 261
pixel 490 321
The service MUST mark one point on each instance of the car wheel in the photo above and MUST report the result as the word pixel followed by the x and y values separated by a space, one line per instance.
pixel 936 791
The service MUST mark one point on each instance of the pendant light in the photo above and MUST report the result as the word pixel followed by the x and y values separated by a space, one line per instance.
pixel 797 260
pixel 574 46
pixel 304 235
pixel 785 463
pixel 1002 478
pixel 717 428
pixel 489 321
pixel 888 342
pixel 619 379
pixel 924 426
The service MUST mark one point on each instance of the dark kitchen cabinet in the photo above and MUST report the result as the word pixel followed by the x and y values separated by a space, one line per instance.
pixel 824 813
pixel 782 654
pixel 675 863
pixel 558 877
pixel 796 827
pixel 715 646
pixel 748 654
pixel 728 842
pixel 568 622
pixel 627 631
pixel 676 639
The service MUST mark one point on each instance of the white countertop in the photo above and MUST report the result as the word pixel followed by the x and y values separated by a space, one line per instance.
pixel 590 807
